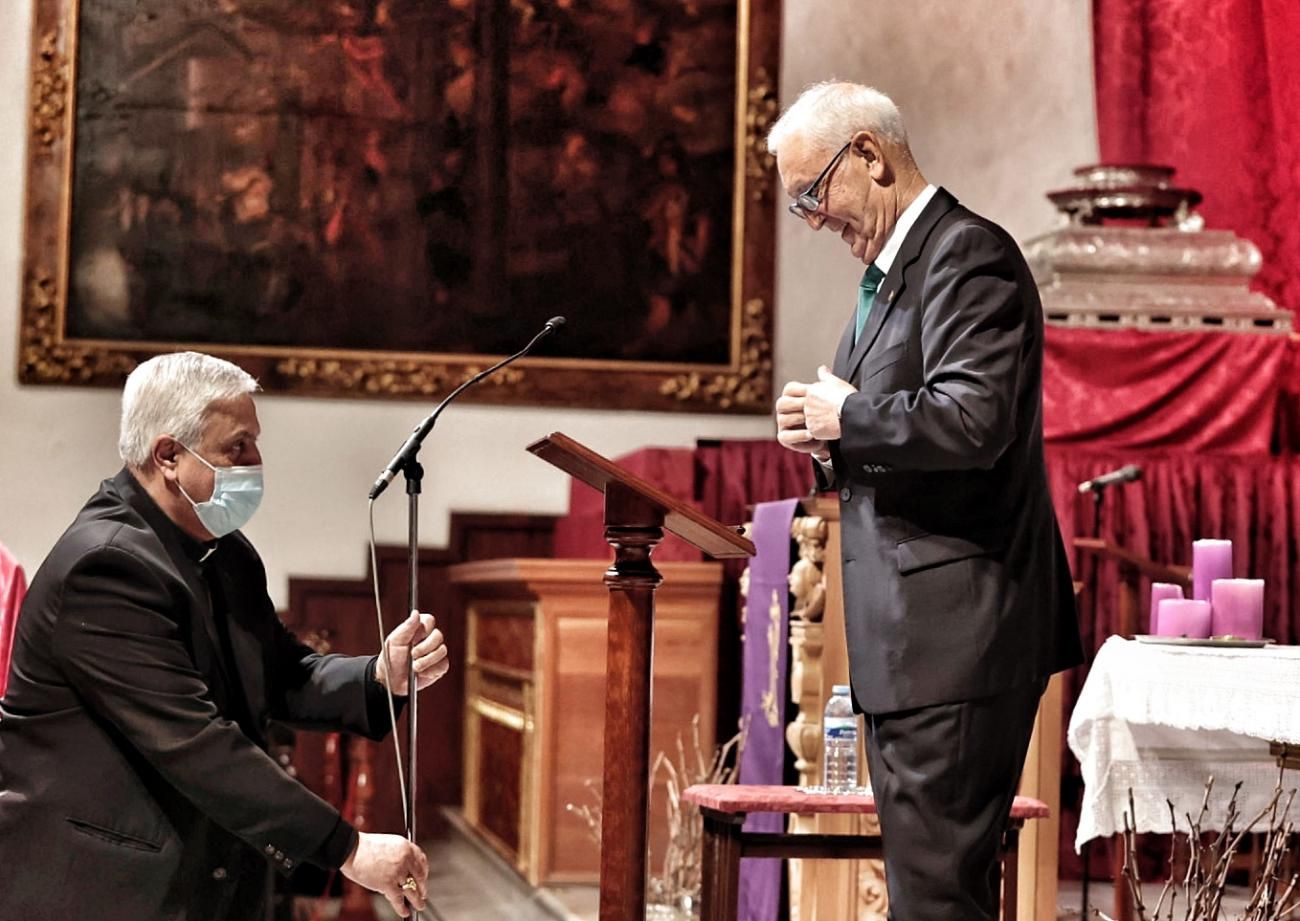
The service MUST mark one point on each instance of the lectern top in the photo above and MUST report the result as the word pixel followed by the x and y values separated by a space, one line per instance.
pixel 599 472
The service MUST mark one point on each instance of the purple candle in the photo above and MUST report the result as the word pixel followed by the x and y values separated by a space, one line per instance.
pixel 1184 617
pixel 1159 592
pixel 1238 608
pixel 1211 559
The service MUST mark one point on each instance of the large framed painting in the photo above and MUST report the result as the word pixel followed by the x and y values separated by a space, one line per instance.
pixel 380 197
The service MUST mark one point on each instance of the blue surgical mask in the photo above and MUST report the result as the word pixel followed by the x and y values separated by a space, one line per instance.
pixel 236 494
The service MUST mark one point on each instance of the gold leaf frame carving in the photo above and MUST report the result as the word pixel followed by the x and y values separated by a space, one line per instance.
pixel 48 354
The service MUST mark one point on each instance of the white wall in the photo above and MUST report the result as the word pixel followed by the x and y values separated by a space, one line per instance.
pixel 998 98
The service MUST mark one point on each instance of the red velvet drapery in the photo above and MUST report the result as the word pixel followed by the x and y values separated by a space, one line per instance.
pixel 1141 391
pixel 1212 89
pixel 1253 502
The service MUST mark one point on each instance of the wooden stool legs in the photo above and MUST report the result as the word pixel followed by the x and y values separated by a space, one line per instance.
pixel 725 843
pixel 1010 871
pixel 720 866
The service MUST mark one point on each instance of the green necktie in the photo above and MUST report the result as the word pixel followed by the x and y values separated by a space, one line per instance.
pixel 870 283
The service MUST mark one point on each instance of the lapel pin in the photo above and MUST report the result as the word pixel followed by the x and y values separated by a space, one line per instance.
pixel 889 298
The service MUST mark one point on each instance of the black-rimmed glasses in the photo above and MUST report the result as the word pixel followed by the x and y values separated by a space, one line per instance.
pixel 807 202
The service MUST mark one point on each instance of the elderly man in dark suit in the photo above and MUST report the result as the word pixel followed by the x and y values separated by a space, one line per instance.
pixel 958 599
pixel 134 782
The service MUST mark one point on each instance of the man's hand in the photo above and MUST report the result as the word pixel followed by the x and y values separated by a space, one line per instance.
pixel 382 863
pixel 416 637
pixel 791 427
pixel 821 405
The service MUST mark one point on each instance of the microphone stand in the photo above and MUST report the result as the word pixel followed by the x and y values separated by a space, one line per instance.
pixel 414 474
pixel 1098 494
pixel 406 461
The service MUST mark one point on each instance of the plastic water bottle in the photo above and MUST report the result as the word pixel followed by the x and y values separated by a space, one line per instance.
pixel 840 742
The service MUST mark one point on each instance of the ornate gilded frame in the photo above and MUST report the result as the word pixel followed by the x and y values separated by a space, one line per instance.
pixel 48 355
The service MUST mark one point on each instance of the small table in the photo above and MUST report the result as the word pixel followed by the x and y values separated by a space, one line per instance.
pixel 725 806
pixel 1160 719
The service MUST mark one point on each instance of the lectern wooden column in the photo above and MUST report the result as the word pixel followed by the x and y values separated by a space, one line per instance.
pixel 636 514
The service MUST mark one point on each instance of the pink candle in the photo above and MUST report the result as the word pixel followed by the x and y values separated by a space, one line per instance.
pixel 1159 592
pixel 1184 617
pixel 1238 608
pixel 1211 559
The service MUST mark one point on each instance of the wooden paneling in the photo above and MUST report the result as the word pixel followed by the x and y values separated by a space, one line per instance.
pixel 564 695
pixel 502 781
pixel 342 613
pixel 505 638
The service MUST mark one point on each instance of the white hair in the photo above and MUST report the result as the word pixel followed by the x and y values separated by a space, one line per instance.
pixel 171 395
pixel 828 114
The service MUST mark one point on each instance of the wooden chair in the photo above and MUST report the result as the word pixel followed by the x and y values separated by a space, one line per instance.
pixel 725 806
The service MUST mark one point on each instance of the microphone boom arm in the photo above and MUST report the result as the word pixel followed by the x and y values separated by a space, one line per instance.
pixel 411 447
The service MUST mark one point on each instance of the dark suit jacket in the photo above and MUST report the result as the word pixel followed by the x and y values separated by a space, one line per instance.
pixel 127 788
pixel 956 584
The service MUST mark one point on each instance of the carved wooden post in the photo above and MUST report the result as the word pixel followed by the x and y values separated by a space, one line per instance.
pixel 829 890
pixel 808 585
pixel 633 527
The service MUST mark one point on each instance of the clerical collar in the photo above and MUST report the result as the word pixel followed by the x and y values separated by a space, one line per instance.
pixel 135 494
pixel 894 243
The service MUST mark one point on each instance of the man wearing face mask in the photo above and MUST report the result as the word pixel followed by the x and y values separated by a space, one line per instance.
pixel 958 602
pixel 134 782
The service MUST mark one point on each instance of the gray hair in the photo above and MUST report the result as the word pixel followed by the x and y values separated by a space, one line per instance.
pixel 828 114
pixel 171 395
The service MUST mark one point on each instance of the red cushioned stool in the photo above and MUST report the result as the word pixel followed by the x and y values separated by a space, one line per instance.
pixel 724 807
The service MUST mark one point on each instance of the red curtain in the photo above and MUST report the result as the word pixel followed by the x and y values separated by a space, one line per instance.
pixel 1212 88
pixel 1193 392
pixel 734 475
pixel 1254 502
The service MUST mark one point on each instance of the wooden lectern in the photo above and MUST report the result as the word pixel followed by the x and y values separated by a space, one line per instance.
pixel 636 514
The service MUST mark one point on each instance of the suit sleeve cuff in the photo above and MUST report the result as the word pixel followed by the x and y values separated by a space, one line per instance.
pixel 377 701
pixel 337 846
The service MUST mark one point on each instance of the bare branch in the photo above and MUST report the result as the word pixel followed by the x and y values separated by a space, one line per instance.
pixel 1209 862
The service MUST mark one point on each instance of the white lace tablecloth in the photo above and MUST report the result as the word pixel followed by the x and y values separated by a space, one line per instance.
pixel 1162 719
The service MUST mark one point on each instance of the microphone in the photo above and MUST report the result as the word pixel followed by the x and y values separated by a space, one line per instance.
pixel 406 453
pixel 1126 474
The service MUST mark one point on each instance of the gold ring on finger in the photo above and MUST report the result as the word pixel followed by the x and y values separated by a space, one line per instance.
pixel 409 884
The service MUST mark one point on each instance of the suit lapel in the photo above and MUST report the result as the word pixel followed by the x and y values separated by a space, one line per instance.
pixel 225 680
pixel 895 281
pixel 184 553
pixel 840 368
pixel 247 650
